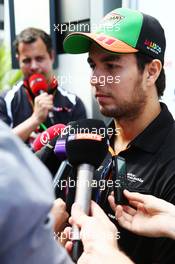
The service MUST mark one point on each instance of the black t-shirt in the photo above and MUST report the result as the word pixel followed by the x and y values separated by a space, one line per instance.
pixel 150 160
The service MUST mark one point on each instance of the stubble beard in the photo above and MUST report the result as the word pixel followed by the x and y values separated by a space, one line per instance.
pixel 128 110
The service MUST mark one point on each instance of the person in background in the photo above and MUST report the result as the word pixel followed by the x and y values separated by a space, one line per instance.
pixel 26 112
pixel 126 55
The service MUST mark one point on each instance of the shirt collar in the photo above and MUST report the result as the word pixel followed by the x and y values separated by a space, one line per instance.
pixel 155 133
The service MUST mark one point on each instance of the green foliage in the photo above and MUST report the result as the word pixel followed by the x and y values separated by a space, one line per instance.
pixel 8 77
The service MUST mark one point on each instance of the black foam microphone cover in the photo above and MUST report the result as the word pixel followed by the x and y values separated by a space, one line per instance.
pixel 87 142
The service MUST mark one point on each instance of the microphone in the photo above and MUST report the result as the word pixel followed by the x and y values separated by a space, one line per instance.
pixel 38 84
pixel 86 148
pixel 56 144
pixel 60 146
pixel 46 136
pixel 47 150
pixel 52 154
pixel 65 170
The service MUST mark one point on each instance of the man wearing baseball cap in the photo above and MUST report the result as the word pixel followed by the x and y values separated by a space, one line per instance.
pixel 126 55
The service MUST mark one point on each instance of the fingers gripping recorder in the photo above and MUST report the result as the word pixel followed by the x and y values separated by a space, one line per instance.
pixel 38 85
pixel 86 148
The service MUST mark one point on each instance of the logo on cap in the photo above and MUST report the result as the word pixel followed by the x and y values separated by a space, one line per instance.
pixel 113 18
pixel 150 45
pixel 106 40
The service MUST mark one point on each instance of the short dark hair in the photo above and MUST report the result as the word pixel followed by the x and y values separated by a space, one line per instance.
pixel 30 35
pixel 142 60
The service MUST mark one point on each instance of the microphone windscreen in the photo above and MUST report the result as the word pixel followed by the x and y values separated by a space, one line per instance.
pixel 37 83
pixel 87 142
pixel 47 136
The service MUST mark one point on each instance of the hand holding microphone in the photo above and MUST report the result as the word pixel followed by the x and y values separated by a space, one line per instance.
pixel 43 102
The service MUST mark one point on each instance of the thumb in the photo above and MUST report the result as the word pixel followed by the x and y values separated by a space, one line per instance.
pixel 98 212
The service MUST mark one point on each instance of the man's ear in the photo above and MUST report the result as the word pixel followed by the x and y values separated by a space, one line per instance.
pixel 17 56
pixel 153 70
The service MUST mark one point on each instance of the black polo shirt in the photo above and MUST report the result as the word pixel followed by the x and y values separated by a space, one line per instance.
pixel 150 160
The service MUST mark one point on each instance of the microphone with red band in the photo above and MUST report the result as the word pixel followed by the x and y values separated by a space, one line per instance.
pixel 47 156
pixel 45 137
pixel 38 85
pixel 53 153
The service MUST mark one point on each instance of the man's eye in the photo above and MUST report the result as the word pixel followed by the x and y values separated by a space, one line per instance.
pixel 111 66
pixel 39 59
pixel 92 66
pixel 26 61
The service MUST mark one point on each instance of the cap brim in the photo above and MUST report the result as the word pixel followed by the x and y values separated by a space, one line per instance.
pixel 77 42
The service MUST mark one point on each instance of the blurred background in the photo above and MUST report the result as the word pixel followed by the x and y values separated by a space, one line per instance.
pixel 58 18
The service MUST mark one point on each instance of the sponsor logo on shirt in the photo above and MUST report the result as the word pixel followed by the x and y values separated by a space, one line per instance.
pixel 111 216
pixel 132 178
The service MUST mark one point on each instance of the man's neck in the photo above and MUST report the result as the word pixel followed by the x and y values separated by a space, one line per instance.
pixel 129 129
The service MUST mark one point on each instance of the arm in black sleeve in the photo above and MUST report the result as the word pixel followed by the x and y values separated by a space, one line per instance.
pixel 3 112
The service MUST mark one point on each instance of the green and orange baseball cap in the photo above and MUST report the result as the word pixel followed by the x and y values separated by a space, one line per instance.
pixel 122 30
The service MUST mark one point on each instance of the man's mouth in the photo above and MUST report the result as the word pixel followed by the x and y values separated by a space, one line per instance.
pixel 101 96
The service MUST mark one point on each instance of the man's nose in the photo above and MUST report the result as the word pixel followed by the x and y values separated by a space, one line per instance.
pixel 34 65
pixel 96 78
